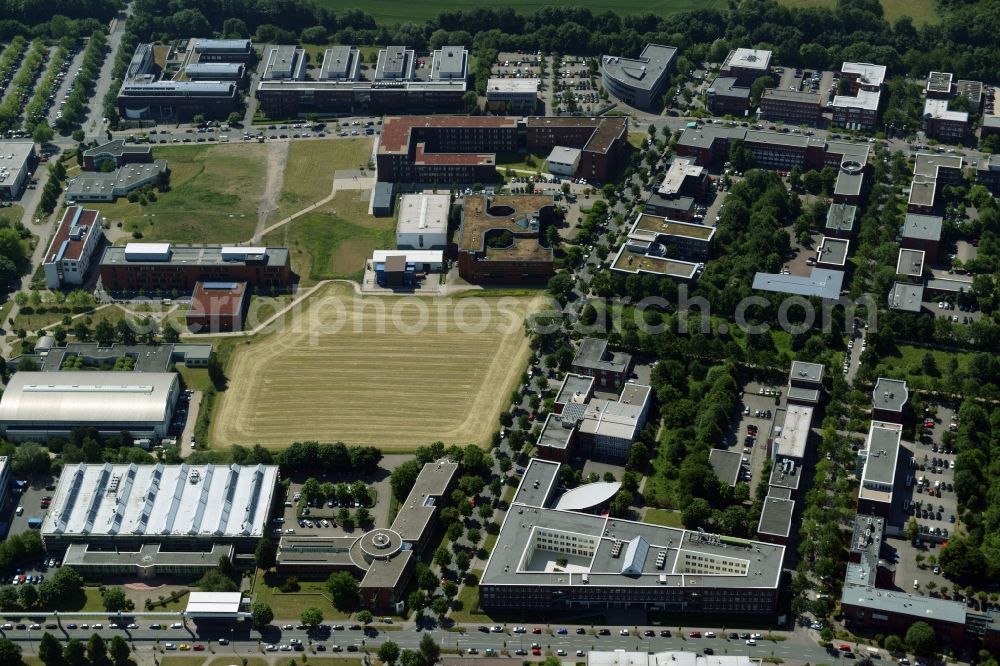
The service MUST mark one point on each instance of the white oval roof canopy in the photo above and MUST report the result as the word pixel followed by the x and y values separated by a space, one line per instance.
pixel 588 495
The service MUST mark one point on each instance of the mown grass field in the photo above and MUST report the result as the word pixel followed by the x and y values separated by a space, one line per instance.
pixel 311 594
pixel 393 11
pixel 213 197
pixel 663 517
pixel 310 168
pixel 908 364
pixel 392 372
pixel 921 11
pixel 334 241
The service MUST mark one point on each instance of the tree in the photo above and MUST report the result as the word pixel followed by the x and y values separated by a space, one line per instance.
pixel 388 653
pixel 104 333
pixel 442 557
pixel 42 133
pixel 462 561
pixel 920 639
pixel 440 606
pixel 266 554
pixel 429 649
pixel 114 599
pixel 893 644
pixel 68 581
pixel 97 650
pixel 50 650
pixel 561 286
pixel 75 653
pixel 403 477
pixel 343 589
pixel 10 652
pixel 215 580
pixel 312 617
pixel 119 651
pixel 30 459
pixel 411 658
pixel 365 617
pixel 696 514
pixel 235 118
pixel 261 614
pixel 27 596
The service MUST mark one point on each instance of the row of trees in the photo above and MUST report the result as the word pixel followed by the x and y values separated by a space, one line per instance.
pixel 310 456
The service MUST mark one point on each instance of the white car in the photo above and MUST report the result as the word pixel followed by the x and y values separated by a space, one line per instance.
pixel 751 641
pixel 580 653
pixel 520 630
pixel 169 646
pixel 271 647
pixel 756 637
pixel 560 652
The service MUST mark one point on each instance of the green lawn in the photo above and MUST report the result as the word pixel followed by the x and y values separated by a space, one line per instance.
pixel 334 241
pixel 311 594
pixel 519 162
pixel 310 168
pixel 921 11
pixel 11 214
pixel 225 661
pixel 469 597
pixel 909 364
pixel 213 197
pixel 391 11
pixel 663 517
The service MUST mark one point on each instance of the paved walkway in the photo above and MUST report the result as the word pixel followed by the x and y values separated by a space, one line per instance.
pixel 339 183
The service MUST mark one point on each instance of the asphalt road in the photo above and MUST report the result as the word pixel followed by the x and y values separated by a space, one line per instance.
pixel 244 642
pixel 93 126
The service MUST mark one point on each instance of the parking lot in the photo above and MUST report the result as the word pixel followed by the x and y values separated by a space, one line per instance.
pixel 929 499
pixel 758 405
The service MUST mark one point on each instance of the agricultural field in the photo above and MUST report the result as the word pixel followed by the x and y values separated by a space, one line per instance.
pixel 921 11
pixel 392 11
pixel 334 240
pixel 322 372
pixel 310 167
pixel 214 194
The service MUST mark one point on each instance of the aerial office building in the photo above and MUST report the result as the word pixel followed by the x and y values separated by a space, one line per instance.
pixel 39 405
pixel 552 558
pixel 400 82
pixel 68 259
pixel 423 221
pixel 501 238
pixel 747 65
pixel 143 94
pixel 166 266
pixel 639 82
pixel 18 161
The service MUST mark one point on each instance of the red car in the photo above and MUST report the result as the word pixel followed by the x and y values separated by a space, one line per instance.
pixel 695 634
pixel 844 647
pixel 198 647
pixel 536 630
pixel 536 651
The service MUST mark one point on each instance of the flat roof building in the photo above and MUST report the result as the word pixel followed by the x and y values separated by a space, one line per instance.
pixel 423 221
pixel 726 96
pixel 911 264
pixel 832 252
pixel 639 82
pixel 922 232
pixel 215 71
pixel 39 405
pixel 145 358
pixel 182 507
pixel 726 464
pixel 223 50
pixel 76 239
pixel 218 307
pixel 563 161
pixel 524 218
pixel 18 160
pixel 284 63
pixel 878 473
pixel 840 219
pixel 161 267
pixel 118 153
pixel 101 186
pixel 775 523
pixel 393 85
pixel 790 432
pixel 906 297
pixel 889 399
pixel 512 94
pixel 548 558
pixel 821 282
pixel 746 65
pixel 602 140
pixel 610 369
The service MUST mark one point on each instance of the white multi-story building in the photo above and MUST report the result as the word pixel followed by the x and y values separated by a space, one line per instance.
pixel 72 248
